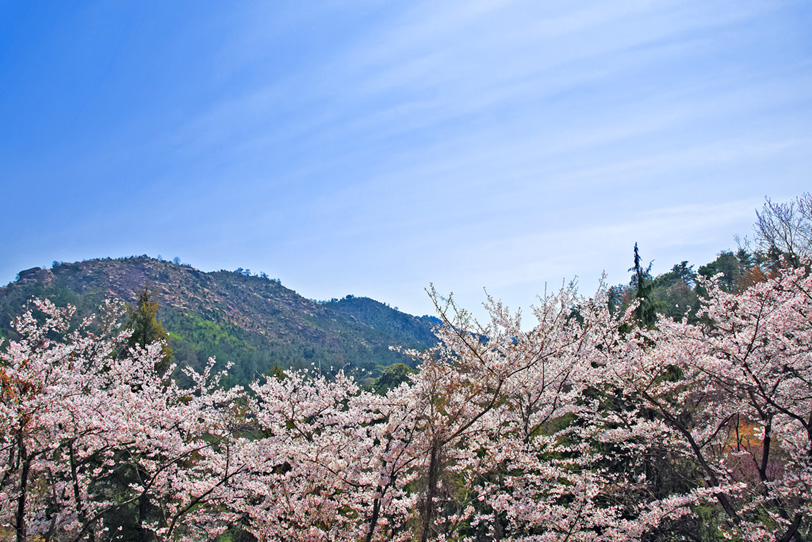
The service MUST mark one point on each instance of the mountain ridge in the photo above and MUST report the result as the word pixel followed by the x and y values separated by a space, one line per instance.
pixel 251 320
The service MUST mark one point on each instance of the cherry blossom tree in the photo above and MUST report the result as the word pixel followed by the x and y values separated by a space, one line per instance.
pixel 757 354
pixel 730 399
pixel 494 463
pixel 330 461
pixel 76 420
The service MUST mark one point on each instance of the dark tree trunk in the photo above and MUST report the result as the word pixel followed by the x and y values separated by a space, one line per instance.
pixel 431 490
pixel 20 525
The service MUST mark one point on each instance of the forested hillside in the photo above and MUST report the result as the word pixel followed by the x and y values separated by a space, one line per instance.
pixel 252 321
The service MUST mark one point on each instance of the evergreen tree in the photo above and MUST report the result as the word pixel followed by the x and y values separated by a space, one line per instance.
pixel 141 318
pixel 646 312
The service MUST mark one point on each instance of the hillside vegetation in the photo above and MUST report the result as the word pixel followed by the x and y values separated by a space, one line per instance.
pixel 252 321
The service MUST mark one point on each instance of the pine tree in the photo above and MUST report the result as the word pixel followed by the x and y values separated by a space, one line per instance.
pixel 646 312
pixel 141 318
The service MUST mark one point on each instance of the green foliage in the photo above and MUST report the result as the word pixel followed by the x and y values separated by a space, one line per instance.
pixel 392 377
pixel 677 292
pixel 417 332
pixel 236 534
pixel 141 319
pixel 731 268
pixel 195 340
pixel 16 296
pixel 673 292
pixel 617 298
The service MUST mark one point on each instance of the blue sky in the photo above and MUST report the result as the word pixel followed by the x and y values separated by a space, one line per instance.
pixel 375 147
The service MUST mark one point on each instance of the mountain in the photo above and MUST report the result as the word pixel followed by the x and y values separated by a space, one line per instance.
pixel 252 321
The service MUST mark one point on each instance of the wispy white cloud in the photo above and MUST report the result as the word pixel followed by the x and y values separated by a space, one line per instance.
pixel 485 143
